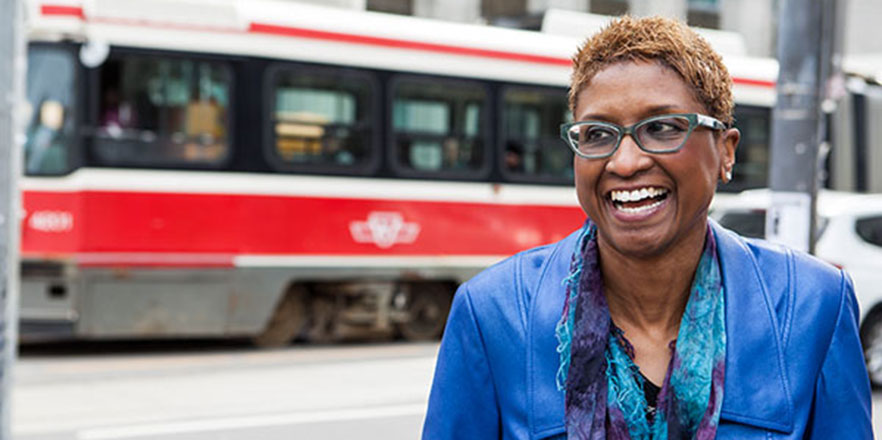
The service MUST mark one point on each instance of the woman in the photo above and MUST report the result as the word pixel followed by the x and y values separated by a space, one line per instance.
pixel 652 322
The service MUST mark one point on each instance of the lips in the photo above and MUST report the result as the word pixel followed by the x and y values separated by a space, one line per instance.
pixel 638 200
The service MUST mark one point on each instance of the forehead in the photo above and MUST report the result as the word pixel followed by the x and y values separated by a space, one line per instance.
pixel 635 88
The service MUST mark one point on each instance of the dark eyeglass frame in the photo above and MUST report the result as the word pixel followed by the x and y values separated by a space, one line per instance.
pixel 695 120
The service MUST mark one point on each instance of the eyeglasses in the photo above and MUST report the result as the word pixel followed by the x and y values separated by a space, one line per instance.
pixel 658 134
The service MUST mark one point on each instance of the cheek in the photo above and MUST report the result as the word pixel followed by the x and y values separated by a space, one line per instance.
pixel 696 177
pixel 700 166
pixel 586 177
pixel 710 168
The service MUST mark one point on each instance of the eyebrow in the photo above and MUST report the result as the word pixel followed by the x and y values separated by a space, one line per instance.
pixel 647 113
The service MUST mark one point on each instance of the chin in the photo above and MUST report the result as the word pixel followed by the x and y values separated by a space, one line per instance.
pixel 636 244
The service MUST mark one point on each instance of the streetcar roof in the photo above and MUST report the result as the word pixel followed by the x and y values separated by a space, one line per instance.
pixel 304 32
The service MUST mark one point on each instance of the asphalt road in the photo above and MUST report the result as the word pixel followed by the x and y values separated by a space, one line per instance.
pixel 223 392
pixel 227 391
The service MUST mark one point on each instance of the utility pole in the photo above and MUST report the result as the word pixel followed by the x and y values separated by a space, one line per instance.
pixel 12 66
pixel 808 56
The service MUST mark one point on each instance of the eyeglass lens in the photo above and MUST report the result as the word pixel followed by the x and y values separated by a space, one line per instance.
pixel 663 134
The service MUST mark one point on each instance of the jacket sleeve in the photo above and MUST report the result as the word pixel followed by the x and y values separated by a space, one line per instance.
pixel 842 392
pixel 462 404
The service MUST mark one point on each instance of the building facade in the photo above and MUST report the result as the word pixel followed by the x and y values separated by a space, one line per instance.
pixel 755 20
pixel 752 18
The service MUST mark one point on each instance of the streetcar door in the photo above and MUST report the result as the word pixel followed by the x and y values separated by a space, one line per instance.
pixel 47 295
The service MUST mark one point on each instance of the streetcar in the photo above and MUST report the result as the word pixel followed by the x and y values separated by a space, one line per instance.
pixel 274 170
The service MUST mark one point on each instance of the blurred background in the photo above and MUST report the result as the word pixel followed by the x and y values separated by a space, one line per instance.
pixel 247 219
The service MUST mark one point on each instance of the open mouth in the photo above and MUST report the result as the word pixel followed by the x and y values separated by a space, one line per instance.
pixel 638 200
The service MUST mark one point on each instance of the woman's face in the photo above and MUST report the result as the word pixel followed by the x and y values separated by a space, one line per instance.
pixel 682 183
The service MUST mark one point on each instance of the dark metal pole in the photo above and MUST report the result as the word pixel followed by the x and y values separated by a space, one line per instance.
pixel 12 66
pixel 808 56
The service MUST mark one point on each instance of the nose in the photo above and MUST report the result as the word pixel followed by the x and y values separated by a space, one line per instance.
pixel 628 160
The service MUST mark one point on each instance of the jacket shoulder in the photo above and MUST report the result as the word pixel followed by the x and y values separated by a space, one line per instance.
pixel 803 289
pixel 507 287
pixel 805 271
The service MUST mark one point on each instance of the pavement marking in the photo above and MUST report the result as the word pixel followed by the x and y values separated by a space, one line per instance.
pixel 219 424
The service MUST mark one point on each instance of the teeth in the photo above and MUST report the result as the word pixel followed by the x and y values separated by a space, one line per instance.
pixel 640 208
pixel 636 195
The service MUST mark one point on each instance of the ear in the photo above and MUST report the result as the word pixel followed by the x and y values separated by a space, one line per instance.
pixel 727 143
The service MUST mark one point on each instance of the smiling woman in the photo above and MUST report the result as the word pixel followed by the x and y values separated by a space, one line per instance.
pixel 652 322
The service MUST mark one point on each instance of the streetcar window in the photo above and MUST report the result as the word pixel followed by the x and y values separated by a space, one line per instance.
pixel 531 148
pixel 438 128
pixel 163 112
pixel 321 120
pixel 50 101
pixel 752 155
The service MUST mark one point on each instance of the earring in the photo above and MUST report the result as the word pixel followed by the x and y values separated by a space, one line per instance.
pixel 728 175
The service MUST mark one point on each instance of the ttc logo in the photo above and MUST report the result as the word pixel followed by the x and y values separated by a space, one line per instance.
pixel 384 229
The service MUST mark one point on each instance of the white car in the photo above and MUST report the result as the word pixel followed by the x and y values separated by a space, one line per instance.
pixel 849 237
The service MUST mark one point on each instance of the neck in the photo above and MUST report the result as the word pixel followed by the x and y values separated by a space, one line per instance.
pixel 650 293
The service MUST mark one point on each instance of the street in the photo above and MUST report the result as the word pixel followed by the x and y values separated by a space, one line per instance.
pixel 224 391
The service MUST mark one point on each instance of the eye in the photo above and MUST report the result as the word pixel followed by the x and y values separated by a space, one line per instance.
pixel 665 126
pixel 664 129
pixel 596 134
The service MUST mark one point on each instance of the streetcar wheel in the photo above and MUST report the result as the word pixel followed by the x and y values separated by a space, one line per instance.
pixel 427 308
pixel 322 328
pixel 871 339
pixel 287 321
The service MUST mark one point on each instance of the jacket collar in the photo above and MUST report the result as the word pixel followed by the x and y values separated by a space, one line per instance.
pixel 756 390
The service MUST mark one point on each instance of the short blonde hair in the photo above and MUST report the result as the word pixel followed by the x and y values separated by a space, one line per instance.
pixel 663 40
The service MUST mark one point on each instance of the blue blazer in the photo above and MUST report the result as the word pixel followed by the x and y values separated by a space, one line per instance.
pixel 794 363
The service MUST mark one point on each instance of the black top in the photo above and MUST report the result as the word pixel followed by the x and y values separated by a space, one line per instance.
pixel 650 390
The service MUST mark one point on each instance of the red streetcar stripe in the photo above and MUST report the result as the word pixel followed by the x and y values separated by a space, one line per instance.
pixel 259 28
pixel 753 82
pixel 70 11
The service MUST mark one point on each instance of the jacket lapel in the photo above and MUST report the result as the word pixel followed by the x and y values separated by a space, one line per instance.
pixel 545 402
pixel 756 390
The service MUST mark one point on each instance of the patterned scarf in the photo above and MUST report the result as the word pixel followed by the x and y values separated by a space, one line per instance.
pixel 604 390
